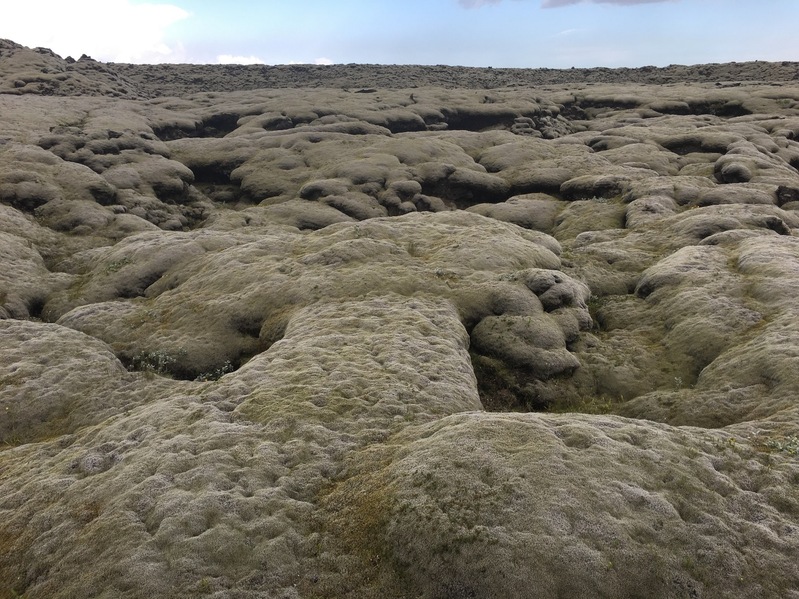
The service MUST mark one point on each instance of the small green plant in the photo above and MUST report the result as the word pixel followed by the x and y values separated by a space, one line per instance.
pixel 595 302
pixel 722 444
pixel 204 586
pixel 157 362
pixel 786 445
pixel 117 264
pixel 217 373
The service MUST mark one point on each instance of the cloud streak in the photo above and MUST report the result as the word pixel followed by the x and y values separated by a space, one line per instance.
pixel 559 3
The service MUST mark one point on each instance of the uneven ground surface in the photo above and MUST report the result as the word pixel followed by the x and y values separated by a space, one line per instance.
pixel 402 332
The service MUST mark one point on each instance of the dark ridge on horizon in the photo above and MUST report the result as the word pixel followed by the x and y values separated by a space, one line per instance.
pixel 170 79
pixel 187 78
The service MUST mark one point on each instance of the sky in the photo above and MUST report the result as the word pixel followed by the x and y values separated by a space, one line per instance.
pixel 498 33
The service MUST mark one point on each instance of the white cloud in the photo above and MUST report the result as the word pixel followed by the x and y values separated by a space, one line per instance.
pixel 324 61
pixel 230 59
pixel 567 33
pixel 108 30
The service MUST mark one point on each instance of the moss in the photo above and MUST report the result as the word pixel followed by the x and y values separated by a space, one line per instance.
pixel 495 383
pixel 355 514
pixel 587 405
pixel 117 265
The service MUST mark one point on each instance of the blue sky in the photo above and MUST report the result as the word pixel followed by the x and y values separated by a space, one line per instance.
pixel 500 33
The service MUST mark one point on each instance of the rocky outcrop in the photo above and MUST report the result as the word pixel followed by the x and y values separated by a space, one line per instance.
pixel 417 342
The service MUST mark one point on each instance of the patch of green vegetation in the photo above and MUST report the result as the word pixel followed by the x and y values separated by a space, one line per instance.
pixel 789 445
pixel 12 440
pixel 595 304
pixel 588 405
pixel 155 362
pixel 204 586
pixel 728 443
pixel 217 373
pixel 117 264
pixel 496 384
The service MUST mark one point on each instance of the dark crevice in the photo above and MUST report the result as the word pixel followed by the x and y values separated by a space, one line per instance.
pixel 164 364
pixel 505 389
pixel 478 125
pixel 462 198
pixel 464 119
pixel 573 112
pixel 502 389
pixel 219 125
pixel 169 193
pixel 214 174
pixel 787 194
pixel 689 144
pixel 682 148
pixel 463 194
pixel 723 109
pixel 139 287
pixel 35 307
pixel 251 327
pixel 544 185
pixel 173 132
pixel 776 224
pixel 607 104
pixel 214 181
pixel 675 108
pixel 586 109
